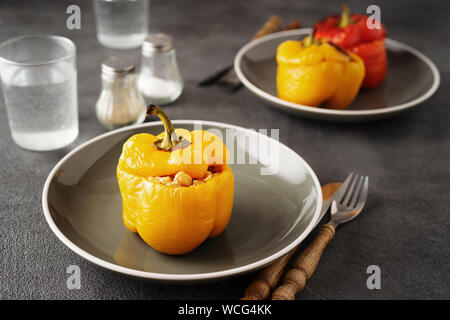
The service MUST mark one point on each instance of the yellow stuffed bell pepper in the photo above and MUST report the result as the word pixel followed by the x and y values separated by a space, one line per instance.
pixel 177 189
pixel 315 73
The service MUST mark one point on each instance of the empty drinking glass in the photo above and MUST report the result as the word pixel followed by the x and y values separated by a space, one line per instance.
pixel 39 82
pixel 121 24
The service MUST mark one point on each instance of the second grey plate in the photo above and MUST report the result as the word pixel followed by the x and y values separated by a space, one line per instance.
pixel 412 78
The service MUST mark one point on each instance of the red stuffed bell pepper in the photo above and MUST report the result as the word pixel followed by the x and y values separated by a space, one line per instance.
pixel 353 34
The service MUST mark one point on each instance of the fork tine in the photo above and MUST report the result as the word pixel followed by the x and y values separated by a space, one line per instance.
pixel 341 191
pixel 363 193
pixel 356 192
pixel 334 207
pixel 350 191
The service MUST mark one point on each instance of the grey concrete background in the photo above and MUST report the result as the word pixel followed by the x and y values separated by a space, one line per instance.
pixel 404 228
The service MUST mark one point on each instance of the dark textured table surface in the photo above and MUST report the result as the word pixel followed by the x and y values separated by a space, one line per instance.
pixel 404 229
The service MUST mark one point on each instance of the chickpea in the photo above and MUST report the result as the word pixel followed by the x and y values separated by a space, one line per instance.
pixel 197 182
pixel 183 179
pixel 207 176
pixel 165 180
pixel 153 179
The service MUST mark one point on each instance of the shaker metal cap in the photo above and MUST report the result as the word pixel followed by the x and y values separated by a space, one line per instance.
pixel 157 42
pixel 117 66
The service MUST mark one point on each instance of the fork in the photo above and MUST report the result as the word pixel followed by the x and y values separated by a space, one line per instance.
pixel 348 202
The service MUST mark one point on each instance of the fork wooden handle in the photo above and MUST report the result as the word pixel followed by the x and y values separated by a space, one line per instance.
pixel 267 279
pixel 295 279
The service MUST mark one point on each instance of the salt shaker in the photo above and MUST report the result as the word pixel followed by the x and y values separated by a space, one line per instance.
pixel 120 103
pixel 159 78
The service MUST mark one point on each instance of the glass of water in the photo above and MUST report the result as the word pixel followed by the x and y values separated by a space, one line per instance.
pixel 121 24
pixel 39 81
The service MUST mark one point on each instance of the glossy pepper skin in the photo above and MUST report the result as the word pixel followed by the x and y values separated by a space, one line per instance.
pixel 353 34
pixel 175 219
pixel 317 74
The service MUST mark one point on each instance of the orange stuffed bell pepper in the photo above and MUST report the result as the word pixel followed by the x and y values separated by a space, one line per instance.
pixel 177 189
pixel 316 73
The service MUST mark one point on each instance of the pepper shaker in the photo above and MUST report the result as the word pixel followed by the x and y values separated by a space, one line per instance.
pixel 159 78
pixel 120 103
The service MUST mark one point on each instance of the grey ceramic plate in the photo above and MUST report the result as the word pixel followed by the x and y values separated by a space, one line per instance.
pixel 271 213
pixel 412 78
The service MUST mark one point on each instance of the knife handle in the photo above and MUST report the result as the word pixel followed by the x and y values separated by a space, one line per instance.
pixel 268 278
pixel 271 26
pixel 295 279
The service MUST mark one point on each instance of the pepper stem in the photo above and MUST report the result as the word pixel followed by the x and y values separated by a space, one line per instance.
pixel 309 40
pixel 345 17
pixel 170 139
